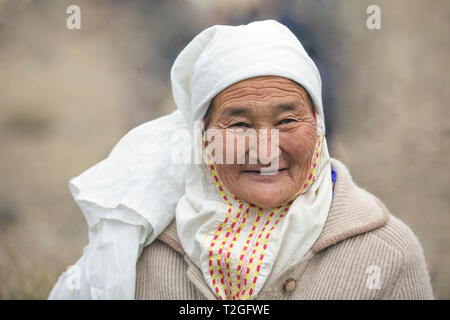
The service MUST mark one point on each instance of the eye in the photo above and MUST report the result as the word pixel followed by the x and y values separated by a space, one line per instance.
pixel 285 121
pixel 240 124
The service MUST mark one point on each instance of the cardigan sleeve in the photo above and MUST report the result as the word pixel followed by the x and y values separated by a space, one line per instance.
pixel 413 282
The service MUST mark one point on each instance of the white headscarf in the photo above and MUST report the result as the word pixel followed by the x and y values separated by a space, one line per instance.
pixel 129 198
pixel 215 59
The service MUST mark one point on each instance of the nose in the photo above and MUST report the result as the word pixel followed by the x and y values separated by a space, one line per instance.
pixel 266 150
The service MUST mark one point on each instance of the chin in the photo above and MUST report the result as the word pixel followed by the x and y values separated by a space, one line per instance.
pixel 260 199
pixel 267 204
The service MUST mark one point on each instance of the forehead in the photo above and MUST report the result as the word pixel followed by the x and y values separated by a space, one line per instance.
pixel 260 89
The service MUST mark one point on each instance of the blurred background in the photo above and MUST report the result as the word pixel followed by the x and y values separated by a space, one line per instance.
pixel 67 97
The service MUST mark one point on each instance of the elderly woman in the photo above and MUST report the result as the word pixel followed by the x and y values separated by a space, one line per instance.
pixel 279 219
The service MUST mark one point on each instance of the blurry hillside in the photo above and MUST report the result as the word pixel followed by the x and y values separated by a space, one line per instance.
pixel 67 96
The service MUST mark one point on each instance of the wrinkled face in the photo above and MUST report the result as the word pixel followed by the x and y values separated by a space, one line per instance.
pixel 247 107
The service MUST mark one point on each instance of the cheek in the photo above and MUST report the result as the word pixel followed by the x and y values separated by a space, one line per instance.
pixel 229 176
pixel 299 145
pixel 222 145
pixel 236 147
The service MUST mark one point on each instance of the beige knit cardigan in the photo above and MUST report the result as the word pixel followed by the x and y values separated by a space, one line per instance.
pixel 363 252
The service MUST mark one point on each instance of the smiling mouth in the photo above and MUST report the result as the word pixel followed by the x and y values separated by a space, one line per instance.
pixel 267 172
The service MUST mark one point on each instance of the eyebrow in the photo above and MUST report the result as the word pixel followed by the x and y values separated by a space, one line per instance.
pixel 233 111
pixel 300 106
pixel 287 107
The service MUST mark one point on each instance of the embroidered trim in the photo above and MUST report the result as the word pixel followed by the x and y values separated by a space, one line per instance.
pixel 261 257
pixel 314 165
pixel 236 235
pixel 244 251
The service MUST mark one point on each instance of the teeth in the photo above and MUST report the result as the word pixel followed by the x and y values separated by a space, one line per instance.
pixel 268 173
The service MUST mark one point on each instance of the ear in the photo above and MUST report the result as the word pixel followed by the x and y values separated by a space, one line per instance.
pixel 204 141
pixel 208 114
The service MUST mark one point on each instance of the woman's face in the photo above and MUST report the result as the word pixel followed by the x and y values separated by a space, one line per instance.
pixel 266 102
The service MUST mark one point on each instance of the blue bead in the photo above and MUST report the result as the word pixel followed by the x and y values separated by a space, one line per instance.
pixel 333 175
